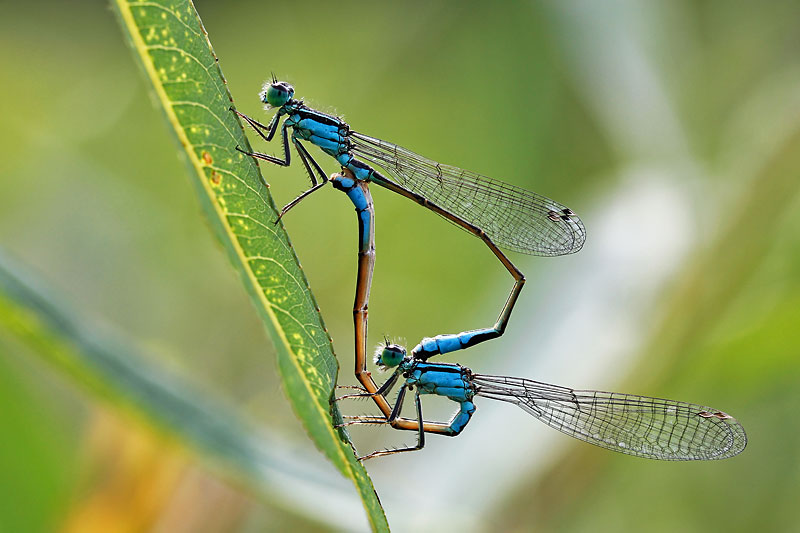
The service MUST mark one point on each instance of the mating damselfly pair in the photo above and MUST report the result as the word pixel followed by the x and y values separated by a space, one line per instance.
pixel 501 215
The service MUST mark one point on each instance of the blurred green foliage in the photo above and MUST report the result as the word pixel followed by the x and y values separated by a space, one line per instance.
pixel 571 100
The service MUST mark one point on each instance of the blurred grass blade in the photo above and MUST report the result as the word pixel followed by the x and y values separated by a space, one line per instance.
pixel 177 59
pixel 109 367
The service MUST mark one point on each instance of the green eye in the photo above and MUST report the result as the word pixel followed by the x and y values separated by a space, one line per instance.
pixel 391 355
pixel 277 94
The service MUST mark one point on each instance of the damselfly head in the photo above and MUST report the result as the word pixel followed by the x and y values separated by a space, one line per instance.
pixel 389 355
pixel 276 93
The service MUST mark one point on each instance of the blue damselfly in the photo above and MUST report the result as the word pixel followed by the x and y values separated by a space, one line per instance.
pixel 501 215
pixel 654 428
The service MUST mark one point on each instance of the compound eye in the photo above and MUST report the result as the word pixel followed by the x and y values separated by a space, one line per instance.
pixel 391 355
pixel 277 94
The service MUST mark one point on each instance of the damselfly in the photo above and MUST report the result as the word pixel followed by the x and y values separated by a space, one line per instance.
pixel 498 213
pixel 654 428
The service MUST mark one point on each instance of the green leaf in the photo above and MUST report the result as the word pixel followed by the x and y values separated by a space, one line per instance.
pixel 175 53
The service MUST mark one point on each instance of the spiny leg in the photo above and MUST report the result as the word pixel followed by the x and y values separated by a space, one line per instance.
pixel 350 387
pixel 305 157
pixel 395 413
pixel 396 408
pixel 382 390
pixel 362 419
pixel 299 199
pixel 271 158
pixel 257 126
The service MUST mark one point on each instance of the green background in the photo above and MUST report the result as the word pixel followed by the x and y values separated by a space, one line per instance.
pixel 672 128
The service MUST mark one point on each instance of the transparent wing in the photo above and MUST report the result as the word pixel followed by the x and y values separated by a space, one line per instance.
pixel 513 217
pixel 636 425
